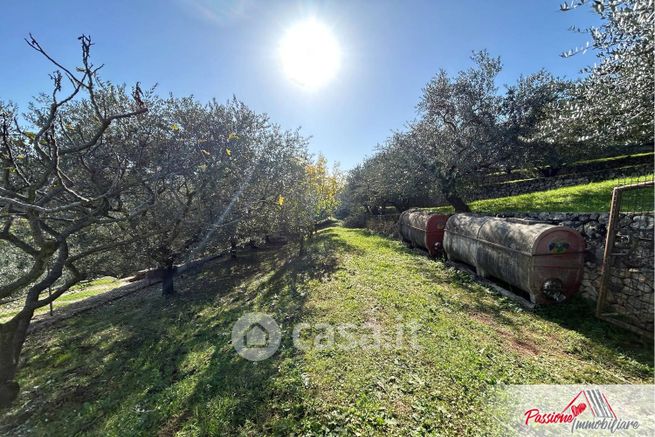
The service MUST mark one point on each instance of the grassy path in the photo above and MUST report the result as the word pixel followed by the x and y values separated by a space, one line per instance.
pixel 148 366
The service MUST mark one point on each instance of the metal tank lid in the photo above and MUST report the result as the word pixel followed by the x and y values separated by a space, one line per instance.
pixel 420 218
pixel 520 237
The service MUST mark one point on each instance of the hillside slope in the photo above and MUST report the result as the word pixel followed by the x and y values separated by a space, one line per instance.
pixel 591 197
pixel 144 365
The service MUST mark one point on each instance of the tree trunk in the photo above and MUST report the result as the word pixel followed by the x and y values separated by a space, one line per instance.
pixel 12 337
pixel 301 251
pixel 549 172
pixel 458 203
pixel 449 191
pixel 233 249
pixel 168 275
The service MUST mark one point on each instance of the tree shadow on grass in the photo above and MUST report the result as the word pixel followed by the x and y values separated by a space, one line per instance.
pixel 579 315
pixel 147 365
pixel 608 343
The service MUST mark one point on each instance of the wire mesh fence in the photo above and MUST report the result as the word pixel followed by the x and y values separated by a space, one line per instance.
pixel 626 296
pixel 639 199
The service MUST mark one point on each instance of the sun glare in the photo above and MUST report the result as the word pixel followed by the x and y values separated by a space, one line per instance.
pixel 310 54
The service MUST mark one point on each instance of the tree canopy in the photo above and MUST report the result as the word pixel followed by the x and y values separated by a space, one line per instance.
pixel 467 128
pixel 98 178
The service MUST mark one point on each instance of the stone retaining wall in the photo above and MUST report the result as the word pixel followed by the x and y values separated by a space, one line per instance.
pixel 514 188
pixel 587 167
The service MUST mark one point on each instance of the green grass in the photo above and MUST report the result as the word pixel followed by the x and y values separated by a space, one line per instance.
pixel 146 366
pixel 615 158
pixel 75 294
pixel 592 197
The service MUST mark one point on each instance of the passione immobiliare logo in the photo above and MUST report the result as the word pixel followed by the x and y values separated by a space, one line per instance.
pixel 588 410
pixel 585 410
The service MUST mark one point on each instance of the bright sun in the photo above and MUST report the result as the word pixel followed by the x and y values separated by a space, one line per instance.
pixel 310 54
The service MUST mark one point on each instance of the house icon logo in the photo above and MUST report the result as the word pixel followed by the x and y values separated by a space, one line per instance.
pixel 256 336
pixel 597 402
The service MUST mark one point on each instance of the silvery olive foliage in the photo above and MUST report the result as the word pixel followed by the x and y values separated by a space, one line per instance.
pixel 613 103
pixel 100 179
pixel 61 192
pixel 465 129
pixel 391 178
pixel 229 178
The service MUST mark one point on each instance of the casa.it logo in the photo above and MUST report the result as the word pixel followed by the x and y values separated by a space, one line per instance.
pixel 588 410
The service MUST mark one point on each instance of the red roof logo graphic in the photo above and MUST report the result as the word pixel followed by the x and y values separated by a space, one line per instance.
pixel 590 400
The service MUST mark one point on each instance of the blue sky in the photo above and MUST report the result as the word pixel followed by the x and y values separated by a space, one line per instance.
pixel 212 48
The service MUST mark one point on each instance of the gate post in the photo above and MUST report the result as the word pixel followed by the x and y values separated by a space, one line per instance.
pixel 609 246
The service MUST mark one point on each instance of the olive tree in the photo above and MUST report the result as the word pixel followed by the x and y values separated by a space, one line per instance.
pixel 465 130
pixel 460 129
pixel 613 103
pixel 226 173
pixel 61 183
pixel 528 105
pixel 353 198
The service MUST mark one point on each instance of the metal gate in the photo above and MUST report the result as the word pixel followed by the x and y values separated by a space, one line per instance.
pixel 617 303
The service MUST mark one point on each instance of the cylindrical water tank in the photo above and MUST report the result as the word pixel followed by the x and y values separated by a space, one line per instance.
pixel 423 229
pixel 543 260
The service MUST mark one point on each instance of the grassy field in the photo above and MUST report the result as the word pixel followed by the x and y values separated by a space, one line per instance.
pixel 146 366
pixel 592 197
pixel 75 294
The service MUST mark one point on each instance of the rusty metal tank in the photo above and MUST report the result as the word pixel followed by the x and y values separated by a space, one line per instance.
pixel 423 229
pixel 543 260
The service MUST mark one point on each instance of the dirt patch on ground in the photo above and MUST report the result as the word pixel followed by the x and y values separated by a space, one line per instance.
pixel 171 427
pixel 521 344
pixel 401 408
